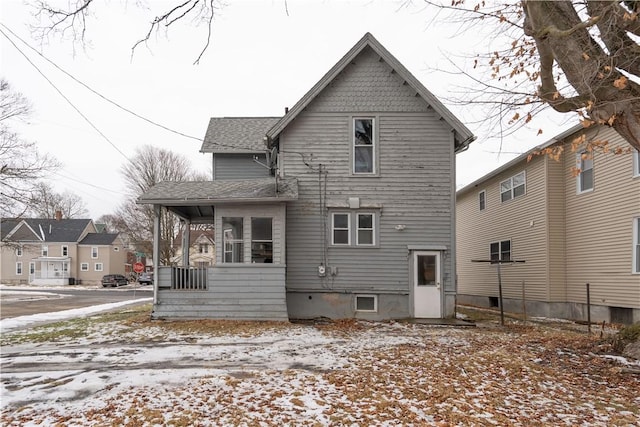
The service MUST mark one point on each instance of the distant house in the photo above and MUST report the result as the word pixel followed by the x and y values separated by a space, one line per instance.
pixel 57 252
pixel 573 221
pixel 344 207
pixel 202 249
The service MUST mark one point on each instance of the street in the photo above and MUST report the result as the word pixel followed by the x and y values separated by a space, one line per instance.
pixel 23 301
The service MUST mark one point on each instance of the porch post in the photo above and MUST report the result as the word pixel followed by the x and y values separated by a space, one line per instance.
pixel 156 251
pixel 186 242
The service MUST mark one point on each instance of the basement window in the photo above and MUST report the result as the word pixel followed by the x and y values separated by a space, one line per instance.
pixel 367 303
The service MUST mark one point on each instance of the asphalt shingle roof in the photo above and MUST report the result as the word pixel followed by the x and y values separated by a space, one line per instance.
pixel 99 239
pixel 64 230
pixel 190 192
pixel 237 134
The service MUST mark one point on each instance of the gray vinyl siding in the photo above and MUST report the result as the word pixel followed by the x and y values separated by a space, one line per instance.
pixel 239 166
pixel 522 220
pixel 599 229
pixel 233 292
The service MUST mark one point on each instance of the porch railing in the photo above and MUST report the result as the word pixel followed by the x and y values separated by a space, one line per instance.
pixel 188 278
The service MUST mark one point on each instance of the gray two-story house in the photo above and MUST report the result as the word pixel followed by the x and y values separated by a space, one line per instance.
pixel 344 207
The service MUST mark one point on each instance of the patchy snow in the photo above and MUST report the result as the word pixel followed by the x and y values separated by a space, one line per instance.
pixel 152 373
pixel 32 319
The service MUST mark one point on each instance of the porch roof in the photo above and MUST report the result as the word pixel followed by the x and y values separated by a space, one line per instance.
pixel 195 199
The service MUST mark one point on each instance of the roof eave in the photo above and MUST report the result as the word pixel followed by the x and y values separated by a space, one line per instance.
pixel 213 201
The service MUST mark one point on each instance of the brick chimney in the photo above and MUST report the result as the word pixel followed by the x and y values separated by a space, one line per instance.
pixel 58 215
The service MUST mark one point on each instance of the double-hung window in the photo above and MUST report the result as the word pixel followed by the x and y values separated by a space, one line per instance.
pixel 98 266
pixel 365 229
pixel 500 251
pixel 19 251
pixel 584 163
pixel 233 239
pixel 512 187
pixel 203 248
pixel 84 266
pixel 45 250
pixel 341 228
pixel 636 245
pixel 482 200
pixel 94 252
pixel 19 268
pixel 261 240
pixel 64 250
pixel 32 268
pixel 354 228
pixel 364 150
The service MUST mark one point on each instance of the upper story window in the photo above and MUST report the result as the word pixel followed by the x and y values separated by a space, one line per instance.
pixel 512 187
pixel 262 240
pixel 64 250
pixel 94 252
pixel 364 232
pixel 636 245
pixel 636 163
pixel 19 251
pixel 584 164
pixel 500 251
pixel 233 239
pixel 364 149
pixel 45 250
pixel 482 200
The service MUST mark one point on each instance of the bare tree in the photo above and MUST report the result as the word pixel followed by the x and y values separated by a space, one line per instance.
pixel 574 56
pixel 21 165
pixel 46 202
pixel 70 20
pixel 150 166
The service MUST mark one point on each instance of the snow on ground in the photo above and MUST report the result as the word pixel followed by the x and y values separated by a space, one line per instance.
pixel 124 369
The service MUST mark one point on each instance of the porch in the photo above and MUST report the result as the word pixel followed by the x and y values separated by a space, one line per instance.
pixel 247 280
pixel 52 271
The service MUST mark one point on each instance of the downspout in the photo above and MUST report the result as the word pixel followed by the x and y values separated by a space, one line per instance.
pixel 156 251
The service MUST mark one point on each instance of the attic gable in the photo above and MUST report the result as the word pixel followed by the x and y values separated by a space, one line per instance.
pixel 20 232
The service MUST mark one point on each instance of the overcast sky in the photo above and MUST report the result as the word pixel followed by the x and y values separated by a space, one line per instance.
pixel 263 57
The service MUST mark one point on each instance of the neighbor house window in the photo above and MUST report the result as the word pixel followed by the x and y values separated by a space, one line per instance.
pixel 363 146
pixel 368 303
pixel 84 266
pixel 98 266
pixel 365 229
pixel 232 236
pixel 65 250
pixel 512 187
pixel 19 251
pixel 340 228
pixel 482 200
pixel 32 268
pixel 500 251
pixel 636 163
pixel 94 252
pixel 203 248
pixel 65 266
pixel 262 240
pixel 116 249
pixel 636 245
pixel 584 163
pixel 45 250
pixel 18 268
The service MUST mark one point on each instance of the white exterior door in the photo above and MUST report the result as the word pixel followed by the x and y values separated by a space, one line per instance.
pixel 427 289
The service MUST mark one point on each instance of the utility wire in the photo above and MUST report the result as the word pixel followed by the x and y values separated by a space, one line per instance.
pixel 62 94
pixel 89 184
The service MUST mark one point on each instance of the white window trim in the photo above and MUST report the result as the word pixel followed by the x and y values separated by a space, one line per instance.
pixel 32 268
pixel 45 250
pixel 333 222
pixel 375 303
pixel 98 266
pixel 373 229
pixel 636 163
pixel 484 194
pixel 19 270
pixel 635 262
pixel 579 161
pixel 19 251
pixel 84 266
pixel 374 146
pixel 64 248
pixel 116 249
pixel 512 188
pixel 499 242
pixel 97 253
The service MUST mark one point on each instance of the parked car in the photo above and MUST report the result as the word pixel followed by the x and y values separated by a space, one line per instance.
pixel 112 280
pixel 145 278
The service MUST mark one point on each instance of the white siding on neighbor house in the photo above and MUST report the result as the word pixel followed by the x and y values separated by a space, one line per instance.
pixel 413 186
pixel 239 166
pixel 599 229
pixel 523 220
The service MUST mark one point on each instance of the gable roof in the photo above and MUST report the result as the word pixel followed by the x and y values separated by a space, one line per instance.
pixel 463 136
pixel 51 230
pixel 99 239
pixel 561 136
pixel 237 134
